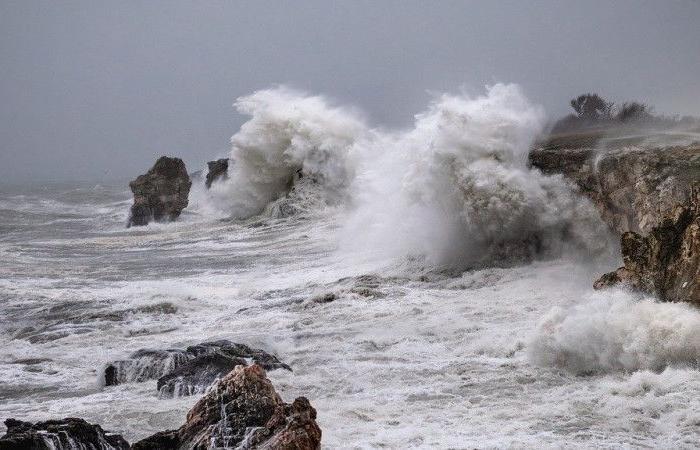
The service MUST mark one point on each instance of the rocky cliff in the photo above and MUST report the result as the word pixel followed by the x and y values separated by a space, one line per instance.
pixel 633 179
pixel 646 187
pixel 160 194
pixel 666 262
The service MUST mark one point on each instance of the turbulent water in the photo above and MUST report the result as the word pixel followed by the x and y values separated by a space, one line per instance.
pixel 463 314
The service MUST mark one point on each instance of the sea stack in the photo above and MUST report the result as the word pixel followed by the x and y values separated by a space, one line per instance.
pixel 160 194
pixel 217 169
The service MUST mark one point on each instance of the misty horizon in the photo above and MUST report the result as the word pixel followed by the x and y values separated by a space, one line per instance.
pixel 98 93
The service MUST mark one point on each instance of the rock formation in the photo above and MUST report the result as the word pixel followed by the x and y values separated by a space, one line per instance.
pixel 217 169
pixel 666 262
pixel 68 433
pixel 633 181
pixel 243 410
pixel 189 371
pixel 162 193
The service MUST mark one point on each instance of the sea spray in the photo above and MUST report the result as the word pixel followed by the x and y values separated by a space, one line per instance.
pixel 456 188
pixel 289 136
pixel 614 331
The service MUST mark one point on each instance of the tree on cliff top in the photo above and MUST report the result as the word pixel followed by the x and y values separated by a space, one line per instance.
pixel 592 107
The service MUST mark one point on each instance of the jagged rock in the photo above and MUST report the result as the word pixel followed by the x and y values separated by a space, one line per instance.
pixel 163 440
pixel 633 181
pixel 69 433
pixel 190 371
pixel 217 169
pixel 144 364
pixel 243 410
pixel 162 193
pixel 666 263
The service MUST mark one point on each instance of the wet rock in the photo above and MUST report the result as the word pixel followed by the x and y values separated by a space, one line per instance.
pixel 163 440
pixel 217 170
pixel 190 371
pixel 69 433
pixel 634 181
pixel 144 365
pixel 243 410
pixel 666 262
pixel 211 361
pixel 162 193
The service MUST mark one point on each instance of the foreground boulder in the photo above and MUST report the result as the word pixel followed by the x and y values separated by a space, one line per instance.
pixel 66 434
pixel 242 410
pixel 162 193
pixel 190 371
pixel 666 262
pixel 217 169
pixel 633 179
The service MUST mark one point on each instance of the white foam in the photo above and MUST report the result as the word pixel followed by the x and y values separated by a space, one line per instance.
pixel 615 331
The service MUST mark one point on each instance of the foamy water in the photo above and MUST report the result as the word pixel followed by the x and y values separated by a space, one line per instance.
pixel 427 343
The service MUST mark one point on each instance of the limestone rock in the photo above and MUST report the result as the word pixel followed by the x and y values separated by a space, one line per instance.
pixel 633 181
pixel 665 263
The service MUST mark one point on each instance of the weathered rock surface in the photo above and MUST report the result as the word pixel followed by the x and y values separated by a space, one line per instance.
pixel 69 433
pixel 217 169
pixel 243 410
pixel 162 193
pixel 666 262
pixel 190 371
pixel 634 181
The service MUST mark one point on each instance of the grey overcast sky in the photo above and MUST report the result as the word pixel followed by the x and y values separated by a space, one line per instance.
pixel 94 90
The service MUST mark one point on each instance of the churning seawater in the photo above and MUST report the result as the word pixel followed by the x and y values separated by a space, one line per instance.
pixel 415 350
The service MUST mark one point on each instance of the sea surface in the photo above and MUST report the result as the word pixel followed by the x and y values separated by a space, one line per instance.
pixel 399 359
pixel 428 288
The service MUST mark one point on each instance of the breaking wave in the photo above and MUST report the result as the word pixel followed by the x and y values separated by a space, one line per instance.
pixel 615 332
pixel 290 136
pixel 454 189
pixel 457 189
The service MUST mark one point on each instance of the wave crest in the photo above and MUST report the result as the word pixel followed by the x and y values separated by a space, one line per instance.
pixel 289 135
pixel 614 332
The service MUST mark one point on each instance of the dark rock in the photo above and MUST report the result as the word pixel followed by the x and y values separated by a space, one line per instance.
pixel 212 361
pixel 666 262
pixel 189 371
pixel 162 193
pixel 163 440
pixel 243 410
pixel 217 169
pixel 144 365
pixel 634 181
pixel 69 433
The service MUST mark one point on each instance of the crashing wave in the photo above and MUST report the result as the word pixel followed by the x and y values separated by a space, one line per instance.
pixel 457 189
pixel 289 135
pixel 614 332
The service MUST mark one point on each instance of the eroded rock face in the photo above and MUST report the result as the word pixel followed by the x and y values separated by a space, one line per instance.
pixel 70 433
pixel 162 193
pixel 189 371
pixel 243 410
pixel 666 262
pixel 217 169
pixel 634 182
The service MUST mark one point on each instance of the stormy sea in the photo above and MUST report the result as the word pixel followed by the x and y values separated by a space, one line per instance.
pixel 426 286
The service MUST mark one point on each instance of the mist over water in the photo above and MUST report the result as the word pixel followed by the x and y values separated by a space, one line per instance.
pixel 461 312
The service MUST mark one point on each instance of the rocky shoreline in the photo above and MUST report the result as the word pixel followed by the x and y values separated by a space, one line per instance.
pixel 240 410
pixel 647 189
